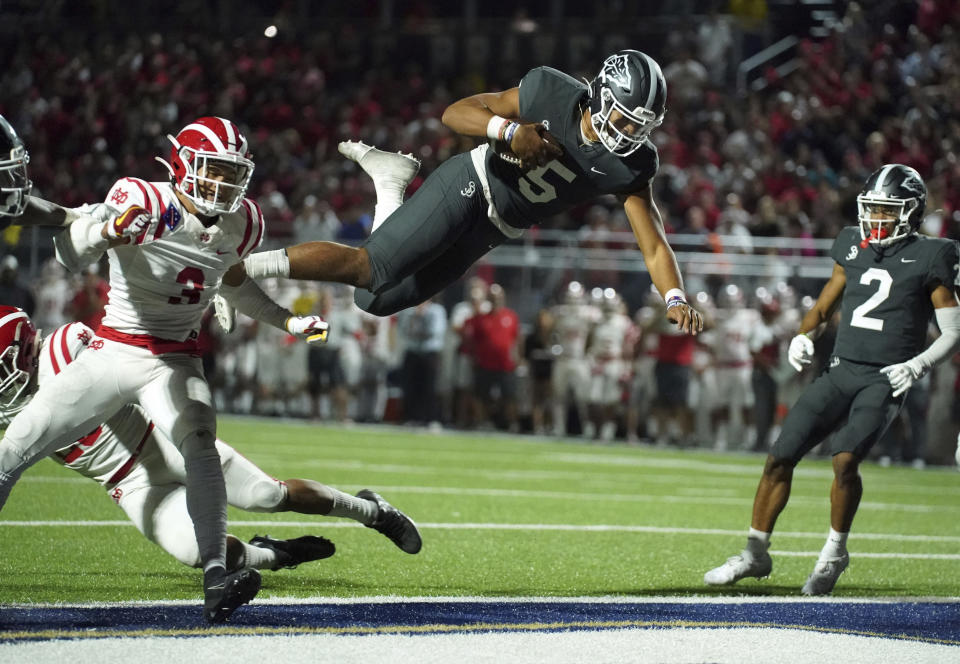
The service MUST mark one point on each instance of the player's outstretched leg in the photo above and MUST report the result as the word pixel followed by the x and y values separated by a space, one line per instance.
pixel 393 523
pixel 223 592
pixel 391 173
pixel 290 553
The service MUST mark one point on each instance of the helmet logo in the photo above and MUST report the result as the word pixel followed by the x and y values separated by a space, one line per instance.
pixel 615 70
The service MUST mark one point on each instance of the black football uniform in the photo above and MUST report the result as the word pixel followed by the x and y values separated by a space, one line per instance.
pixel 885 312
pixel 436 235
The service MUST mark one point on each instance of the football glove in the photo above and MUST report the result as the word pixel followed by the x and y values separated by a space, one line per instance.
pixel 800 352
pixel 902 376
pixel 225 314
pixel 312 328
pixel 128 224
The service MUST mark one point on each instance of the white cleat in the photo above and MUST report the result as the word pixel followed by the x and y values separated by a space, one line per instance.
pixel 739 567
pixel 391 168
pixel 226 315
pixel 825 574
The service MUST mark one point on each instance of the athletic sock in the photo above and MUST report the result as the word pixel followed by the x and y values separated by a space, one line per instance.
pixel 257 557
pixel 836 545
pixel 206 498
pixel 389 198
pixel 757 542
pixel 351 507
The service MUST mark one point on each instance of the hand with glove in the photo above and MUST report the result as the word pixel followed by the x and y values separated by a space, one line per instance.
pixel 800 352
pixel 123 228
pixel 902 376
pixel 313 328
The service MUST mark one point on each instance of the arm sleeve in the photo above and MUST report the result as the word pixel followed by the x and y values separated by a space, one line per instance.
pixel 948 343
pixel 81 244
pixel 249 298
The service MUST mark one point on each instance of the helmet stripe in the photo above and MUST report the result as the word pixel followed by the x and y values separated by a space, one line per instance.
pixel 13 316
pixel 883 176
pixel 231 133
pixel 653 72
pixel 209 134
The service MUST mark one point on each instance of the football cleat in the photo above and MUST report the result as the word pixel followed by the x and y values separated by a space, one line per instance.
pixel 825 574
pixel 393 523
pixel 392 169
pixel 223 593
pixel 225 313
pixel 739 567
pixel 292 552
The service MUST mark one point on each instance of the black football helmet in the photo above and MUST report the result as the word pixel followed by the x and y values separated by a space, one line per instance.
pixel 894 195
pixel 14 182
pixel 629 82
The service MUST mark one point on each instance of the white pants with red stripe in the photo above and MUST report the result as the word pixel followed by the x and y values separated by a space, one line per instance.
pixel 154 495
pixel 173 392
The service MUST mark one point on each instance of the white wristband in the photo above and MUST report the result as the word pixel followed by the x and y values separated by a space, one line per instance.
pixel 674 297
pixel 495 126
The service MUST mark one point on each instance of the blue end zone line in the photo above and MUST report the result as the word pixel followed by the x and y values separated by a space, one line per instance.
pixel 934 622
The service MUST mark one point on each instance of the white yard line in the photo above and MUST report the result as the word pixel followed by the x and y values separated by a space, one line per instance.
pixel 656 530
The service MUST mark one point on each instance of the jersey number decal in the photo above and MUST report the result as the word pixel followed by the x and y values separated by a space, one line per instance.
pixel 192 278
pixel 860 318
pixel 547 192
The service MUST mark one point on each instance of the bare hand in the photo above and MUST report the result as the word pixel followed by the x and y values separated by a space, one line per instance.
pixel 686 317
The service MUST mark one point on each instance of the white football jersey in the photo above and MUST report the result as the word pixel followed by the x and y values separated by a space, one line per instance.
pixel 733 334
pixel 161 283
pixel 571 328
pixel 102 454
pixel 610 336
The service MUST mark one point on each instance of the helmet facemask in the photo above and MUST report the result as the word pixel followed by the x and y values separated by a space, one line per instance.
pixel 15 184
pixel 626 132
pixel 215 183
pixel 884 219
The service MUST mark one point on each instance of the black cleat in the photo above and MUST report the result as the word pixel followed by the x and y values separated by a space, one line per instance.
pixel 393 523
pixel 223 593
pixel 292 552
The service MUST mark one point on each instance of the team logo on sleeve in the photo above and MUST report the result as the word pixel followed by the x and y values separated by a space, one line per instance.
pixel 119 197
pixel 171 217
pixel 854 251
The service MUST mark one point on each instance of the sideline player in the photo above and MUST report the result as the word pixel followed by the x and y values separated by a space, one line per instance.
pixel 168 251
pixel 570 142
pixel 888 281
pixel 144 473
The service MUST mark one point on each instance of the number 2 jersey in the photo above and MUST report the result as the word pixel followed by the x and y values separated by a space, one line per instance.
pixel 886 308
pixel 161 283
pixel 109 452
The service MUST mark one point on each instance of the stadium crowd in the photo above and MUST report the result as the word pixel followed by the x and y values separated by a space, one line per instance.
pixel 785 160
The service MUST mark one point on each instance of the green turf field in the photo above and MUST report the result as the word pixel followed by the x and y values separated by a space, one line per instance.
pixel 499 516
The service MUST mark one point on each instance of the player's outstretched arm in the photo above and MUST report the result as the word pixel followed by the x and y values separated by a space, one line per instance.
pixel 40 212
pixel 246 296
pixel 496 115
pixel 661 262
pixel 947 312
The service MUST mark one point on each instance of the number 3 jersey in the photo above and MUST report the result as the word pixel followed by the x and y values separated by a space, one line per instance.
pixel 886 306
pixel 162 281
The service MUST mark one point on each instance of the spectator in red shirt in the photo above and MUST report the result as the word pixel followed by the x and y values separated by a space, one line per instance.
pixel 90 299
pixel 491 338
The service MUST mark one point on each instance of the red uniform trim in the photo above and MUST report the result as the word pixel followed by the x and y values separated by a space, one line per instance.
pixel 254 219
pixel 155 345
pixel 86 441
pixel 125 468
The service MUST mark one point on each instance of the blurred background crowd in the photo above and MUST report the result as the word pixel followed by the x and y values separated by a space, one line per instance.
pixel 777 112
